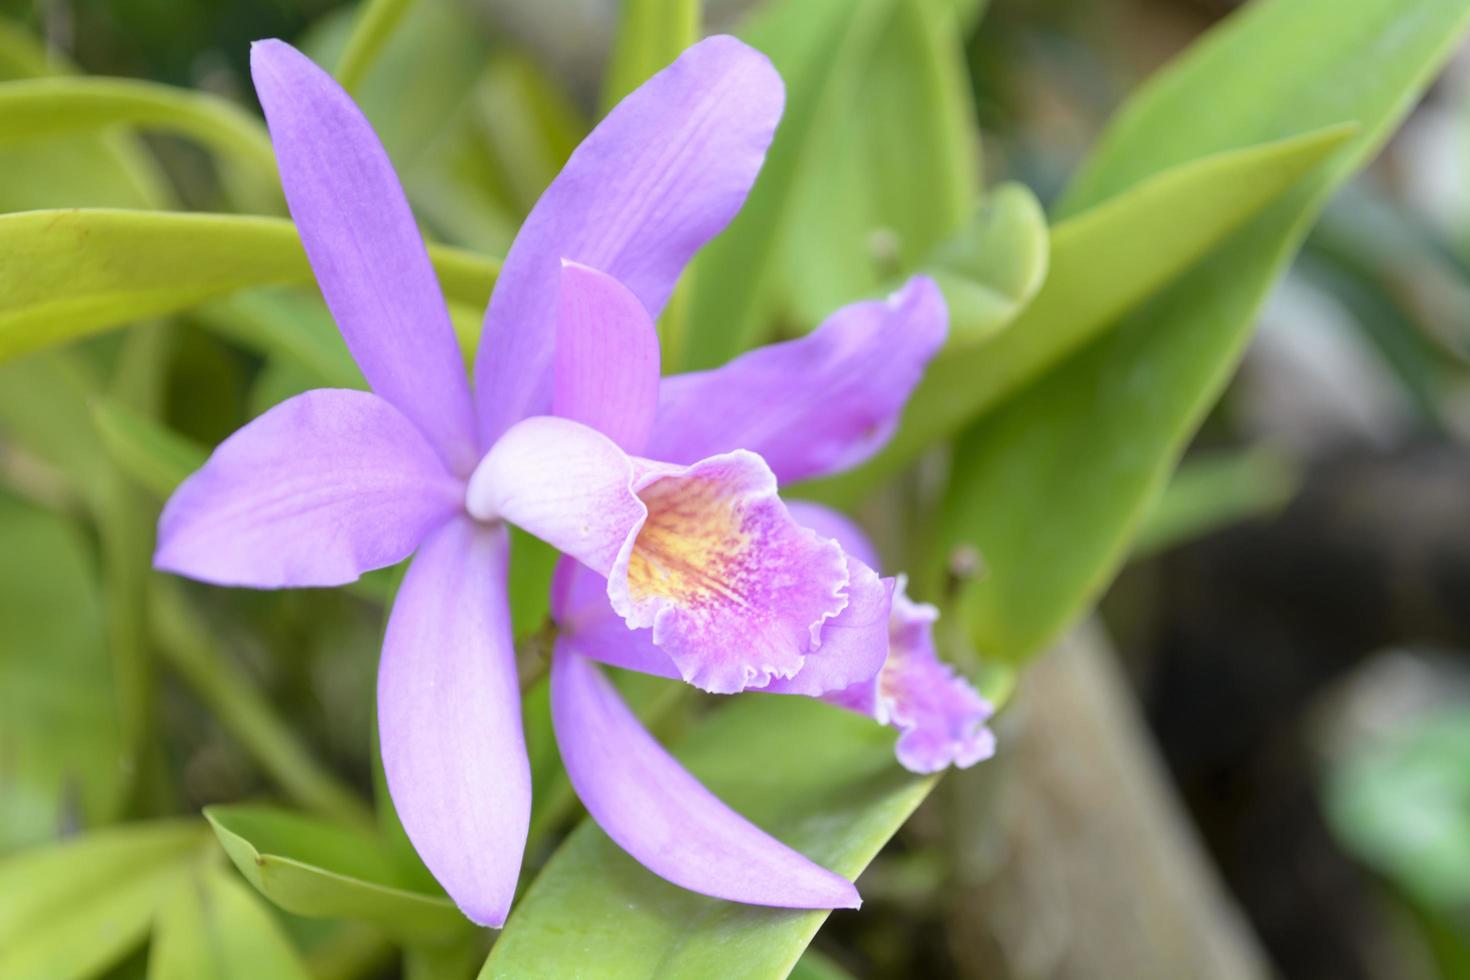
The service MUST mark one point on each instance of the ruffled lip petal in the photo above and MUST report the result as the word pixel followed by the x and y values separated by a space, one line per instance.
pixel 586 621
pixel 735 591
pixel 707 556
pixel 941 717
pixel 854 642
pixel 665 818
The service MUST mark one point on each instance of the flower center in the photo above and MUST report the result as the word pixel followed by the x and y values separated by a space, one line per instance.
pixel 688 550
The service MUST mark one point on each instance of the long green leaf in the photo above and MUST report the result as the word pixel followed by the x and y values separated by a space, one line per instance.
pixel 595 912
pixel 65 274
pixel 59 727
pixel 890 175
pixel 320 869
pixel 40 107
pixel 375 23
pixel 214 928
pixel 651 34
pixel 874 164
pixel 86 169
pixel 1051 487
pixel 993 267
pixel 71 909
pixel 1103 261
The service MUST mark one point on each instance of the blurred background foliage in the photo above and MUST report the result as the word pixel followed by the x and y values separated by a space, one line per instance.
pixel 1292 614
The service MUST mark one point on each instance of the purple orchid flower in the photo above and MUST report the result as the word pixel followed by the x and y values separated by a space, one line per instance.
pixel 696 550
pixel 842 386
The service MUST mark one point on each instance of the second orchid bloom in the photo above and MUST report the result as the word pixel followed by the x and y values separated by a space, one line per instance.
pixel 681 558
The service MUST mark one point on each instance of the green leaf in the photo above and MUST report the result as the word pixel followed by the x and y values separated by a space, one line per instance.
pixel 376 21
pixel 815 966
pixel 86 169
pixel 1103 262
pixel 890 175
pixel 1214 491
pixel 59 729
pixel 39 107
pixel 64 435
pixel 287 325
pixel 595 912
pixel 71 273
pixel 874 164
pixel 651 34
pixel 320 869
pixel 1400 802
pixel 214 928
pixel 1051 487
pixel 992 268
pixel 148 452
pixel 72 909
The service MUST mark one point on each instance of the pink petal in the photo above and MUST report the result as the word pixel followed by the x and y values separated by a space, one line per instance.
pixel 586 622
pixel 449 719
pixel 660 176
pixel 941 718
pixel 664 817
pixel 854 642
pixel 736 592
pixel 606 357
pixel 318 490
pixel 812 406
pixel 837 526
pixel 364 247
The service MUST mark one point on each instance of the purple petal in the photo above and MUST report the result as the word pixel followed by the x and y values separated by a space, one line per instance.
pixel 854 642
pixel 564 482
pixel 941 717
pixel 449 719
pixel 318 490
pixel 660 176
pixel 664 817
pixel 812 406
pixel 364 247
pixel 586 621
pixel 837 526
pixel 606 357
pixel 736 592
pixel 853 649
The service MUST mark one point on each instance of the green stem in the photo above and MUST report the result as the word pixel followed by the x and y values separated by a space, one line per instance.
pixel 369 35
pixel 241 708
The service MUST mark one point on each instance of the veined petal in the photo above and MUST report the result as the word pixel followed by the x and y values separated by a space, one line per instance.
pixel 941 718
pixel 587 623
pixel 660 176
pixel 837 526
pixel 664 817
pixel 364 247
pixel 854 642
pixel 853 648
pixel 606 357
pixel 817 405
pixel 449 719
pixel 735 591
pixel 318 490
